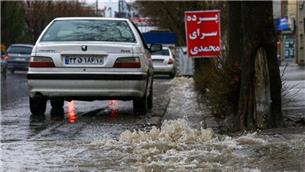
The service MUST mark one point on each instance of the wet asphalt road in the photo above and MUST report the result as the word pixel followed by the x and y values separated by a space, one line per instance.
pixel 79 120
pixel 42 143
pixel 84 136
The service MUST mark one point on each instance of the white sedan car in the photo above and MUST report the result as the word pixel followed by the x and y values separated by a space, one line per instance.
pixel 164 62
pixel 90 59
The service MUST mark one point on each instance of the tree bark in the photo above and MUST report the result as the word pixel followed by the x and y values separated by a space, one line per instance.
pixel 233 60
pixel 258 35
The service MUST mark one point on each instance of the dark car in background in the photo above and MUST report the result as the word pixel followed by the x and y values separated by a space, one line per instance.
pixel 18 57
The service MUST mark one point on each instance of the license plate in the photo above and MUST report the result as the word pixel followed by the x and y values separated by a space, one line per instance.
pixel 20 59
pixel 84 60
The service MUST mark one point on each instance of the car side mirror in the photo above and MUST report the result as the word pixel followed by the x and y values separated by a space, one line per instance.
pixel 155 47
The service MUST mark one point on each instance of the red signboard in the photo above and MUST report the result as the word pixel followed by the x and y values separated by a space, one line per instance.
pixel 203 36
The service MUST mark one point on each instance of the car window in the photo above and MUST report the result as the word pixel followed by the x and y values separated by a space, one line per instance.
pixel 141 36
pixel 89 30
pixel 164 52
pixel 19 50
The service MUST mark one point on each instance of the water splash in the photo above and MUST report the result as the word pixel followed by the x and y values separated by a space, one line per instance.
pixel 178 147
pixel 176 131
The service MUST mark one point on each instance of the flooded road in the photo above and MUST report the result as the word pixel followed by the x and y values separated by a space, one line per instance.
pixel 175 147
pixel 106 136
pixel 76 119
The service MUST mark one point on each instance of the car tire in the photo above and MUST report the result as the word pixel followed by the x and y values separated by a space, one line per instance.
pixel 57 104
pixel 173 74
pixel 57 114
pixel 150 98
pixel 140 106
pixel 38 105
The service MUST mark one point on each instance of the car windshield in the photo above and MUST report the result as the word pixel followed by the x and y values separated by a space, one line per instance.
pixel 19 50
pixel 164 52
pixel 89 30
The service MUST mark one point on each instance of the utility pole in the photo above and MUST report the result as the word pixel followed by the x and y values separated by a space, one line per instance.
pixel 300 27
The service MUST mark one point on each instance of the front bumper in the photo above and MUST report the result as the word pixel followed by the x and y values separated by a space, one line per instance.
pixel 93 86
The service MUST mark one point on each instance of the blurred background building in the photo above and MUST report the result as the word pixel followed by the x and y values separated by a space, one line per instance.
pixel 289 18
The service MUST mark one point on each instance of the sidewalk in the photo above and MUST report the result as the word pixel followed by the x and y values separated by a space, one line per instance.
pixel 293 71
pixel 293 100
pixel 185 104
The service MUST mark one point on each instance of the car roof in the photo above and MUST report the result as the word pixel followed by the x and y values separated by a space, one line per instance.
pixel 90 18
pixel 22 45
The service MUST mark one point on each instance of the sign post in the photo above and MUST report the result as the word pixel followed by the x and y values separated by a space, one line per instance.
pixel 203 37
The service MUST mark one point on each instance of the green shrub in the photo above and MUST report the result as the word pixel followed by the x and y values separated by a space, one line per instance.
pixel 219 83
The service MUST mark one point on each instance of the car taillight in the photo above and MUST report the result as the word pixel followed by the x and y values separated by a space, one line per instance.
pixel 41 62
pixel 127 62
pixel 5 57
pixel 170 61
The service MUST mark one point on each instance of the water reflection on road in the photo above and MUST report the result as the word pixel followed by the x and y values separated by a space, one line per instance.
pixel 106 135
pixel 72 117
pixel 174 147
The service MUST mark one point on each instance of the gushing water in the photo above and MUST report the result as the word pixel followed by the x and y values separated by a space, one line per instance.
pixel 178 147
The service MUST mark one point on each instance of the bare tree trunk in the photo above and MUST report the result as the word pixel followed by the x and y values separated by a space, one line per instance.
pixel 276 118
pixel 233 59
pixel 259 69
pixel 235 30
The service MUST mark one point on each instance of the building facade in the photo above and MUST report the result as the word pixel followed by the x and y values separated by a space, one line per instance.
pixel 300 29
pixel 289 17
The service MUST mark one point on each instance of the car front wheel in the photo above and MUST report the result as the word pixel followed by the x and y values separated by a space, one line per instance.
pixel 38 105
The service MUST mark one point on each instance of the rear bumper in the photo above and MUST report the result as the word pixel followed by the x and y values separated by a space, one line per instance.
pixel 17 65
pixel 88 86
pixel 140 76
pixel 164 69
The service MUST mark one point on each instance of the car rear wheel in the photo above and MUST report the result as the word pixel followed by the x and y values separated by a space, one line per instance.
pixel 173 74
pixel 38 105
pixel 140 106
pixel 57 104
pixel 150 98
